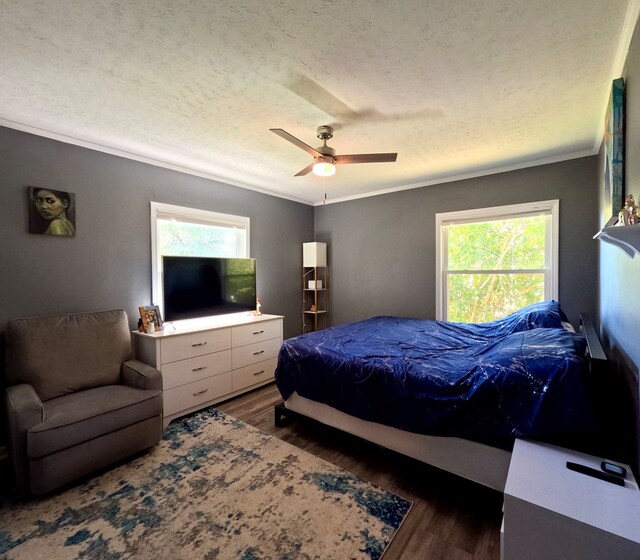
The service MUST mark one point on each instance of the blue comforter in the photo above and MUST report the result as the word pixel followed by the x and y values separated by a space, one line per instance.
pixel 521 376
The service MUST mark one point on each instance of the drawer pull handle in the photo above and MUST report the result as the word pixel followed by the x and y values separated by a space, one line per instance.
pixel 199 344
pixel 259 372
pixel 258 353
pixel 200 392
pixel 258 332
pixel 199 368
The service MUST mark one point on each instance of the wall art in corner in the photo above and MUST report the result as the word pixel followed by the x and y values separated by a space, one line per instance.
pixel 614 150
pixel 52 212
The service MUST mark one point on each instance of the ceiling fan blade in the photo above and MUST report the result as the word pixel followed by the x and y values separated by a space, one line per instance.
pixel 284 134
pixel 305 170
pixel 366 158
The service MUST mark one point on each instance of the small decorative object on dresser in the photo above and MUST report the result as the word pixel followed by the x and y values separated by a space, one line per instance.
pixel 257 311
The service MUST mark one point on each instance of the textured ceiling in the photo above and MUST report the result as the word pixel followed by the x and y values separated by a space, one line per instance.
pixel 455 87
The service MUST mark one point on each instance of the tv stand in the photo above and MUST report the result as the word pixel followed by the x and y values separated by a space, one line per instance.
pixel 203 363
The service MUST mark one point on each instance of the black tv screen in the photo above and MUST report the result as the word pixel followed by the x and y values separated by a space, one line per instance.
pixel 202 286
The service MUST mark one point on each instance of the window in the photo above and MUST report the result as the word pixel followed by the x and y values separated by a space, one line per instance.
pixel 493 261
pixel 189 232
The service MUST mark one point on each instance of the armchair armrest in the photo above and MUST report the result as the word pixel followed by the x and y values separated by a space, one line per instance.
pixel 140 375
pixel 24 410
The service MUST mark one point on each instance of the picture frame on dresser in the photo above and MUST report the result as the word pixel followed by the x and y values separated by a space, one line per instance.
pixel 150 314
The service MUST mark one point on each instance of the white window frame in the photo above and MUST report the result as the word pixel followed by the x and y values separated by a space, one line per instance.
pixel 160 210
pixel 550 208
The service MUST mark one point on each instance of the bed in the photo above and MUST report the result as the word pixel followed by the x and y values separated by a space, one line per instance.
pixel 453 395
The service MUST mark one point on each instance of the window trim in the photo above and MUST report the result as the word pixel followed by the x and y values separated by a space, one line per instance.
pixel 548 207
pixel 193 215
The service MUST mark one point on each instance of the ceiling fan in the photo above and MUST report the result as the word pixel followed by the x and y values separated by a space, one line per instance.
pixel 325 158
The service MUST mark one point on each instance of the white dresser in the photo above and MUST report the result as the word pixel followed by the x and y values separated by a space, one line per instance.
pixel 206 362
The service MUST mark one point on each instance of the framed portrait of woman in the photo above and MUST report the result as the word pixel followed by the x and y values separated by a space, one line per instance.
pixel 52 212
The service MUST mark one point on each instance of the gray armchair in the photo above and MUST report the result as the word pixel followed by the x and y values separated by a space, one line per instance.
pixel 75 400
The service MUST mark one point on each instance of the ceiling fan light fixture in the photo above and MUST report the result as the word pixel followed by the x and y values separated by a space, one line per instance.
pixel 323 167
pixel 325 158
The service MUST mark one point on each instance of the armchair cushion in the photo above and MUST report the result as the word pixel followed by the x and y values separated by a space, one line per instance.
pixel 140 375
pixel 62 354
pixel 78 417
pixel 24 407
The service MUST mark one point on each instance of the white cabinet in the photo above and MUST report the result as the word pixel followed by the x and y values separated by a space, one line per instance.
pixel 210 362
pixel 553 513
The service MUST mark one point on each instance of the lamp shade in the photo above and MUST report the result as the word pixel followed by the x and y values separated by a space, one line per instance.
pixel 314 254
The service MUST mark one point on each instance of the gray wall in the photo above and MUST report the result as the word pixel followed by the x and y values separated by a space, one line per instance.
pixel 619 295
pixel 382 252
pixel 108 263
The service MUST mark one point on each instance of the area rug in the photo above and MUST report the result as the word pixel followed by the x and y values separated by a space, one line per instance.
pixel 213 489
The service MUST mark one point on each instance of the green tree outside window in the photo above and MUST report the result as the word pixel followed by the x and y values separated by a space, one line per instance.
pixel 495 267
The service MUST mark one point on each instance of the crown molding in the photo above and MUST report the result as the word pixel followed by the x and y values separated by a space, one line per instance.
pixel 140 158
pixel 470 175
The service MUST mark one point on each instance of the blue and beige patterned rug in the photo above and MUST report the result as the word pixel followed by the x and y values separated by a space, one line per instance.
pixel 213 489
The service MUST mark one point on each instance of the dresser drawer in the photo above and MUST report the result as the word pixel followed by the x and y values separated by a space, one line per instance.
pixel 256 332
pixel 196 393
pixel 253 353
pixel 193 369
pixel 179 347
pixel 253 374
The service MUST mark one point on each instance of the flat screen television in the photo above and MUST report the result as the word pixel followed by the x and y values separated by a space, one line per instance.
pixel 195 287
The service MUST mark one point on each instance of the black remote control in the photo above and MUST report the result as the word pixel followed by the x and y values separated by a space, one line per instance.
pixel 595 473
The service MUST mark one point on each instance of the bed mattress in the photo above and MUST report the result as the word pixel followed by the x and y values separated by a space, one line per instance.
pixel 522 376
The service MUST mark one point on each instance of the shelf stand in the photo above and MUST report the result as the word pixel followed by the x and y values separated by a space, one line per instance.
pixel 317 317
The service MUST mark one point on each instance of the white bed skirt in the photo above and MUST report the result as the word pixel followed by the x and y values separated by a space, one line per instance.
pixel 478 462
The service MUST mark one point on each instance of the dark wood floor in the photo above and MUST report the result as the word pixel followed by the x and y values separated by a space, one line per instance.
pixel 451 518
